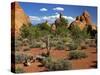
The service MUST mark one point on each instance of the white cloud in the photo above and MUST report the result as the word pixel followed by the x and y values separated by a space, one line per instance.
pixel 45 18
pixel 33 18
pixel 50 19
pixel 43 9
pixel 58 9
pixel 70 19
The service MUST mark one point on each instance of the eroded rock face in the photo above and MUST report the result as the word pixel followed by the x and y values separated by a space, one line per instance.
pixel 87 17
pixel 18 17
pixel 77 22
pixel 83 20
pixel 53 27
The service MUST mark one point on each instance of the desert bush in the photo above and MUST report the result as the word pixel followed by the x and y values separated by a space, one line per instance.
pixel 92 32
pixel 44 26
pixel 62 31
pixel 20 58
pixel 53 43
pixel 35 45
pixel 18 44
pixel 66 65
pixel 56 64
pixel 79 35
pixel 32 46
pixel 25 31
pixel 72 46
pixel 22 44
pixel 17 48
pixel 76 54
pixel 60 47
pixel 91 42
pixel 43 45
pixel 64 22
pixel 19 70
pixel 76 32
pixel 67 39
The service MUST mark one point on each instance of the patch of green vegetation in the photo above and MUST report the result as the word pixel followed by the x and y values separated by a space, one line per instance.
pixel 73 46
pixel 19 70
pixel 62 39
pixel 20 58
pixel 79 35
pixel 56 64
pixel 76 54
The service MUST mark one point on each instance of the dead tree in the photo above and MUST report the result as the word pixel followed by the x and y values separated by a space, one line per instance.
pixel 48 45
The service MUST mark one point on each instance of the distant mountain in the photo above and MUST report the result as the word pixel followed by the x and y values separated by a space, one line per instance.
pixel 18 18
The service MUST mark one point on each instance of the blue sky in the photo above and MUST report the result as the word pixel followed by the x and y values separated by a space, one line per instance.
pixel 39 12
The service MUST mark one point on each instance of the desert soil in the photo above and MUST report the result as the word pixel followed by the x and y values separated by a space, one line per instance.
pixel 85 63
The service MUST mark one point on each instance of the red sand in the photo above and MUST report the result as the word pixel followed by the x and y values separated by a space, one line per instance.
pixel 84 63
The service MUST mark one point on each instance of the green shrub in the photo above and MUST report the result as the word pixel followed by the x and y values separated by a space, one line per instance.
pixel 63 65
pixel 46 61
pixel 20 58
pixel 76 54
pixel 90 42
pixel 18 43
pixel 73 46
pixel 60 47
pixel 32 46
pixel 19 70
pixel 56 64
pixel 17 48
pixel 24 31
pixel 79 35
pixel 35 45
pixel 44 26
pixel 43 45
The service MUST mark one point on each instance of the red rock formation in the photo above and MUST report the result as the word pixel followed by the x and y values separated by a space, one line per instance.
pixel 83 20
pixel 18 17
pixel 87 17
pixel 53 26
pixel 58 22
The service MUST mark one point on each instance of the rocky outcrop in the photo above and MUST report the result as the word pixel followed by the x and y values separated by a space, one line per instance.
pixel 18 18
pixel 53 26
pixel 82 21
pixel 59 22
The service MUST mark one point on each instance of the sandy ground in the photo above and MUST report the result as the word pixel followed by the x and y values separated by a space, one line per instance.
pixel 85 63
